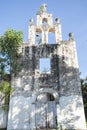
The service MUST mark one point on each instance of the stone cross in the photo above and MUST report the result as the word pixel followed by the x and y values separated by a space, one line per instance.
pixel 44 7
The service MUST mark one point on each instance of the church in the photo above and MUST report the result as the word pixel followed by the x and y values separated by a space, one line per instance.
pixel 47 92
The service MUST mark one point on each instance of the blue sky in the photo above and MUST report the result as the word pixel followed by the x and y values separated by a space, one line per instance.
pixel 45 65
pixel 15 14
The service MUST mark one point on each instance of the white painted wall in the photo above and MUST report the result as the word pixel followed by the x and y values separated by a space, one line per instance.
pixel 3 118
pixel 71 113
pixel 21 113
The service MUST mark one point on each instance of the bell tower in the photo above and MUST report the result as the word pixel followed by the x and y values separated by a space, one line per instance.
pixel 43 27
pixel 47 92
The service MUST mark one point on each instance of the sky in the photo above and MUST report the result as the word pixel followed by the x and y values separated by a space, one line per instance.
pixel 15 14
pixel 45 65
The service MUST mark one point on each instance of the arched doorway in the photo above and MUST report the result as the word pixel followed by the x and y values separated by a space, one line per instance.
pixel 45 111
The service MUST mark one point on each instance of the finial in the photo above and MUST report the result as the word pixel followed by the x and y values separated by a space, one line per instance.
pixel 31 21
pixel 42 9
pixel 57 20
pixel 71 36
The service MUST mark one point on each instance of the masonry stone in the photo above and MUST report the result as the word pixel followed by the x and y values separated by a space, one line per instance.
pixel 49 99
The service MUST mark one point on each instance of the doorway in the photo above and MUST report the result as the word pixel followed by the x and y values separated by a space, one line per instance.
pixel 46 112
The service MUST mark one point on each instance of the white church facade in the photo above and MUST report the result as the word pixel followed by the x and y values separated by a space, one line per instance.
pixel 47 92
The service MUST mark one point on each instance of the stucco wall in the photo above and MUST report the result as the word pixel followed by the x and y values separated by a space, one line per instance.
pixel 3 118
pixel 71 114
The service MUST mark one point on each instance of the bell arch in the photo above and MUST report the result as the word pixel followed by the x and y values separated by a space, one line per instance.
pixel 45 21
pixel 38 36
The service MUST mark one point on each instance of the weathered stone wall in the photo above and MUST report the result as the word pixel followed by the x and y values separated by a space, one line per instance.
pixel 71 112
pixel 63 83
pixel 29 84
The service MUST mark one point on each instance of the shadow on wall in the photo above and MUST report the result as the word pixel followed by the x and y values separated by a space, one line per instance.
pixel 63 78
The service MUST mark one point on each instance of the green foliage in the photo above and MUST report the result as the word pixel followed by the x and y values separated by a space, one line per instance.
pixel 6 90
pixel 10 43
pixel 84 93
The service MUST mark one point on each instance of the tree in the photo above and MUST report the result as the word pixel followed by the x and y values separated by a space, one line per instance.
pixel 84 93
pixel 10 43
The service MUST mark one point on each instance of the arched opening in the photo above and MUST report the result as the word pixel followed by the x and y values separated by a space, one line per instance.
pixel 38 38
pixel 45 111
pixel 44 21
pixel 45 97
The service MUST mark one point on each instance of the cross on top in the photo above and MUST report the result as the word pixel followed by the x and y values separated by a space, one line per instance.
pixel 44 7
